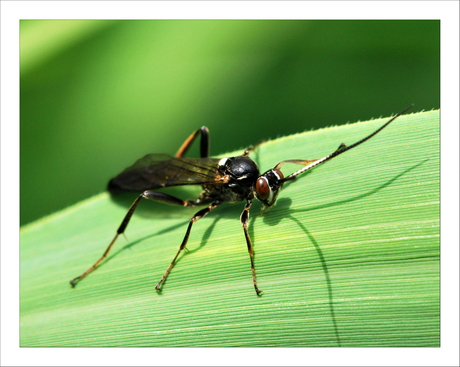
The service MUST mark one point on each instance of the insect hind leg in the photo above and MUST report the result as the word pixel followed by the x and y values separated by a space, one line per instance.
pixel 149 194
pixel 204 143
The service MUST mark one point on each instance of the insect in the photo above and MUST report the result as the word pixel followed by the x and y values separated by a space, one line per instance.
pixel 226 180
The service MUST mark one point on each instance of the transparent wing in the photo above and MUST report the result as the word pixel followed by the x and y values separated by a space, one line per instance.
pixel 161 170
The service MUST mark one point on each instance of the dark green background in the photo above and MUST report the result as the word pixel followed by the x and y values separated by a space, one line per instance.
pixel 97 95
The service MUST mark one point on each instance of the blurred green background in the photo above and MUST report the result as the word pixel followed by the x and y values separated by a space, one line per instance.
pixel 97 95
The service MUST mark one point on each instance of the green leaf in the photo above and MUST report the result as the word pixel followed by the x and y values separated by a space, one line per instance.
pixel 348 256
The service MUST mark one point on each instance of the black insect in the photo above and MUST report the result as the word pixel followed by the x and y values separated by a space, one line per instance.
pixel 226 180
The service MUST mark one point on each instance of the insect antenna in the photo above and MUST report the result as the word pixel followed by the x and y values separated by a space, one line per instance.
pixel 341 149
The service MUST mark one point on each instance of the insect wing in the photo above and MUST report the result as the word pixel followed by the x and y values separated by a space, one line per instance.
pixel 155 171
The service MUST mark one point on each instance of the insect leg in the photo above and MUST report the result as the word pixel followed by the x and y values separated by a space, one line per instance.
pixel 303 162
pixel 244 221
pixel 252 148
pixel 196 217
pixel 204 143
pixel 153 195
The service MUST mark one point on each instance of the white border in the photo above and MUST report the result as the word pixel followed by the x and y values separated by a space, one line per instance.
pixel 12 12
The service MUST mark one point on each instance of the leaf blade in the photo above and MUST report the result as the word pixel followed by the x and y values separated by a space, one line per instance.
pixel 348 256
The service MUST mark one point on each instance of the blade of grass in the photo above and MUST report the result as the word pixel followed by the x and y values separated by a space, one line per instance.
pixel 349 256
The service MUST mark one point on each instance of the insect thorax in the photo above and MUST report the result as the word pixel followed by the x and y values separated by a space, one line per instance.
pixel 242 172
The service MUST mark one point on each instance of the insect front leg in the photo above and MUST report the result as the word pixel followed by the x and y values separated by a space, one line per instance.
pixel 204 143
pixel 149 194
pixel 196 217
pixel 244 221
pixel 251 148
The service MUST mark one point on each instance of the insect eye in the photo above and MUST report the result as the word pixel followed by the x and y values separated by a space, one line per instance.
pixel 262 188
pixel 279 173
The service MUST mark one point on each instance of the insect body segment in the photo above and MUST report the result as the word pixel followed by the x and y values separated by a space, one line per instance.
pixel 268 186
pixel 231 180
